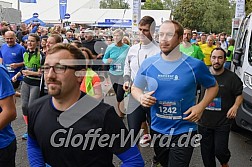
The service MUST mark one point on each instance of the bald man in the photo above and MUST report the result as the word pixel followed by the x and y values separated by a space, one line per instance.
pixel 11 56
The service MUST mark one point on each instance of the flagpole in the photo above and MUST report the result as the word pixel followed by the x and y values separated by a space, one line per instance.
pixel 18 4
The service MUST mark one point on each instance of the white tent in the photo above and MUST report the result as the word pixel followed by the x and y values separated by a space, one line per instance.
pixel 84 11
pixel 91 16
pixel 99 15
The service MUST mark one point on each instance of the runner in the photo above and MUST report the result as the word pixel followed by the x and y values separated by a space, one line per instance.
pixel 79 130
pixel 171 79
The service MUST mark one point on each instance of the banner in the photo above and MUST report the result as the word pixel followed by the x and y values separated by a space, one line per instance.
pixel 62 8
pixel 240 9
pixel 136 15
pixel 28 1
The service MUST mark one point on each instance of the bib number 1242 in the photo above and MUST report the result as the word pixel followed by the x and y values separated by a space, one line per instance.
pixel 166 110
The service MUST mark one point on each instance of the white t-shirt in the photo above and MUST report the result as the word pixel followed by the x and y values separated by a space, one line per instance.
pixel 136 55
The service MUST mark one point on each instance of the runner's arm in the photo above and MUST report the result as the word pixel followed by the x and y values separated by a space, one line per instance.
pixel 35 156
pixel 131 157
pixel 8 112
pixel 145 99
pixel 195 112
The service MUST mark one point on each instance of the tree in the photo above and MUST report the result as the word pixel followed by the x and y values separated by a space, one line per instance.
pixel 153 5
pixel 190 13
pixel 114 4
pixel 170 4
pixel 248 6
pixel 207 16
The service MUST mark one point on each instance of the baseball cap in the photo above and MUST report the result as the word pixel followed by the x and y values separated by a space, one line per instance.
pixel 89 31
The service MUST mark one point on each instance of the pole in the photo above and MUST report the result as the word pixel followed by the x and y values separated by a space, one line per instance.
pixel 18 3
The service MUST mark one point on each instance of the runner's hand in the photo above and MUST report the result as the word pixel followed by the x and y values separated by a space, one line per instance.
pixel 195 113
pixel 147 100
pixel 231 114
pixel 14 65
pixel 126 86
pixel 109 60
pixel 14 78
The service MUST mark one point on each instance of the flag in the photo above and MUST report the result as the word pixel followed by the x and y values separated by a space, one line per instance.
pixel 62 8
pixel 28 1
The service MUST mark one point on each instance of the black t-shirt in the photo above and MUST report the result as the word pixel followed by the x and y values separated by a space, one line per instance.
pixel 69 146
pixel 90 45
pixel 230 86
pixel 97 47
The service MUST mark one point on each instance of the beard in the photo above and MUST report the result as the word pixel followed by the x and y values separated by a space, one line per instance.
pixel 54 90
pixel 186 40
pixel 217 68
pixel 170 50
pixel 166 53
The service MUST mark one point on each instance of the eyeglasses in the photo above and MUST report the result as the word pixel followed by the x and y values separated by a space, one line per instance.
pixel 58 69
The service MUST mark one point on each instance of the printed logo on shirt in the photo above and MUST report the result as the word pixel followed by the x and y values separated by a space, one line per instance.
pixel 13 54
pixel 168 77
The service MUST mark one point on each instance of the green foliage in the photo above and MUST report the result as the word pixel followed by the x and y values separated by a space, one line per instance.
pixel 208 16
pixel 114 4
pixel 248 7
pixel 203 15
pixel 169 4
pixel 153 5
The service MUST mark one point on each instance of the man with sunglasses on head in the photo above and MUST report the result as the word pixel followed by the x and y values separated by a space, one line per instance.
pixel 70 128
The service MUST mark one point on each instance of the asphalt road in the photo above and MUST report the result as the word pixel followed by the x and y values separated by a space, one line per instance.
pixel 240 145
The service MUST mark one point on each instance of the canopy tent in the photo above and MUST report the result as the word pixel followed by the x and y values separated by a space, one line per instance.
pixel 81 14
pixel 35 20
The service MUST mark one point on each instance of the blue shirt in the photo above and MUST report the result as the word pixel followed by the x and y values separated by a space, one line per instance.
pixel 6 134
pixel 13 54
pixel 118 54
pixel 174 83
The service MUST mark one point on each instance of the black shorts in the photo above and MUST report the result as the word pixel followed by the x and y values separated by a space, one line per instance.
pixel 176 152
pixel 8 154
pixel 15 84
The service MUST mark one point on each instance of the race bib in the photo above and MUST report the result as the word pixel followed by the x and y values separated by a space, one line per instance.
pixel 215 105
pixel 34 68
pixel 9 69
pixel 169 110
pixel 117 67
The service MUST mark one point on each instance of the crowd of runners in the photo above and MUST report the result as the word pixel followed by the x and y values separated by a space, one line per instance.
pixel 177 81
